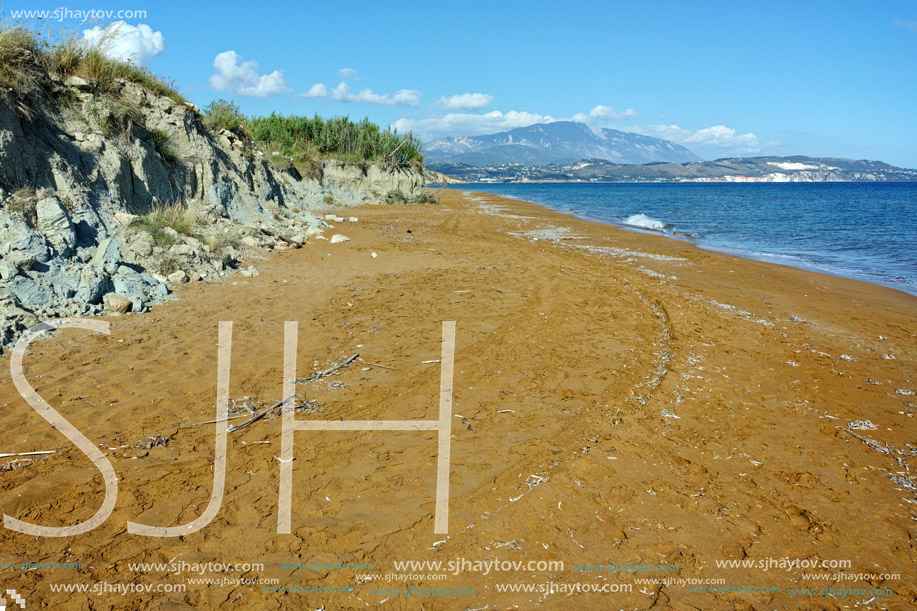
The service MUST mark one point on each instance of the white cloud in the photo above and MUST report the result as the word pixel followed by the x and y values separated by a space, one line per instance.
pixel 468 124
pixel 402 97
pixel 348 73
pixel 717 136
pixel 243 78
pixel 603 114
pixel 123 42
pixel 466 101
pixel 318 90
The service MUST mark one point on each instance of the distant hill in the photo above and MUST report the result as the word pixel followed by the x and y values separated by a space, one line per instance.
pixel 738 169
pixel 555 143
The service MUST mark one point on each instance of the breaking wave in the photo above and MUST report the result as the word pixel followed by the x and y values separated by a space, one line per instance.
pixel 645 222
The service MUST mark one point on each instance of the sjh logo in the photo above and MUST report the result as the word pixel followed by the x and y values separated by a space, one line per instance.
pixel 14 598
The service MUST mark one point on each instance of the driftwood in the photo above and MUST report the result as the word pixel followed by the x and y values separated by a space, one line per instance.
pixel 312 378
pixel 42 453
pixel 236 417
pixel 277 236
pixel 321 374
pixel 376 365
pixel 885 449
pixel 256 417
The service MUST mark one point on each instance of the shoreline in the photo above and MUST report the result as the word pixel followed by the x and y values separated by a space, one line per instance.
pixel 858 275
pixel 618 398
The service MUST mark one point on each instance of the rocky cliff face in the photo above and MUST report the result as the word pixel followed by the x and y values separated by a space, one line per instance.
pixel 79 169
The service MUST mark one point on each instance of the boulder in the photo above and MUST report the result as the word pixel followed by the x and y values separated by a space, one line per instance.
pixel 314 231
pixel 55 223
pixel 29 293
pixel 142 245
pixel 108 254
pixel 179 277
pixel 117 304
pixel 23 247
pixel 93 283
pixel 141 289
pixel 78 82
pixel 339 238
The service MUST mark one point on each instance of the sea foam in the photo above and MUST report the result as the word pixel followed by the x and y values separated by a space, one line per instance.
pixel 645 222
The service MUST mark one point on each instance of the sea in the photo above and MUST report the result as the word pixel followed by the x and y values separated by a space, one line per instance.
pixel 865 231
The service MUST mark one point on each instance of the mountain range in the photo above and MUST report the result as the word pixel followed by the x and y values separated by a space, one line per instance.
pixel 555 143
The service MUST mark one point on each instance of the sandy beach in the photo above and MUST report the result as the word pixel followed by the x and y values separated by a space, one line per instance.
pixel 640 410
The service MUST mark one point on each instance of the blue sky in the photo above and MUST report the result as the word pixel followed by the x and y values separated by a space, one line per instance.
pixel 722 78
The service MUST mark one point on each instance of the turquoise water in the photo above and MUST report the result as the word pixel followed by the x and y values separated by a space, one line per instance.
pixel 866 231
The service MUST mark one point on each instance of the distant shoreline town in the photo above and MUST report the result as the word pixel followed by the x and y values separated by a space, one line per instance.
pixel 733 170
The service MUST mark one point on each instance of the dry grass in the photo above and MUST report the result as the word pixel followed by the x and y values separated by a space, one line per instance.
pixel 173 216
pixel 26 60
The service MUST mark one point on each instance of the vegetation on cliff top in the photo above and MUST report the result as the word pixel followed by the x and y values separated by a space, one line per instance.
pixel 26 60
pixel 305 139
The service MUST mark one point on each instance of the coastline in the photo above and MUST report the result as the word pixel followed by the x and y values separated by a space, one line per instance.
pixel 619 397
pixel 874 276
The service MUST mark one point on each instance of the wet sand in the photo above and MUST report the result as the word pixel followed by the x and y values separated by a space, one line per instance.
pixel 618 398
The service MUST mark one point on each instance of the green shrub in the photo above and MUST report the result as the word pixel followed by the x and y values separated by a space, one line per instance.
pixel 223 114
pixel 396 196
pixel 305 139
pixel 163 146
pixel 425 197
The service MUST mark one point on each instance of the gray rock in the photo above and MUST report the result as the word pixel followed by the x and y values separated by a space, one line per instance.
pixel 182 250
pixel 336 238
pixel 78 82
pixel 55 223
pixel 142 245
pixel 108 254
pixel 7 270
pixel 132 289
pixel 93 284
pixel 29 293
pixel 23 247
pixel 125 218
